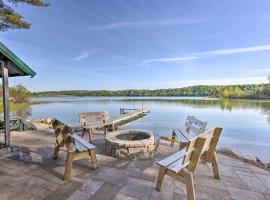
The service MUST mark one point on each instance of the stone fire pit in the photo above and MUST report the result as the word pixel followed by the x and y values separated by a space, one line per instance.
pixel 132 144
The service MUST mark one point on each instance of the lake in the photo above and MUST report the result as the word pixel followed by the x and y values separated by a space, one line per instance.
pixel 246 123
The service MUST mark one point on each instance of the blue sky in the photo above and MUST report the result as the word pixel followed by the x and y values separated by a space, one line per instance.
pixel 126 44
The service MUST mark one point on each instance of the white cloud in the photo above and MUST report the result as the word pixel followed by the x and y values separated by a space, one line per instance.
pixel 170 59
pixel 83 55
pixel 144 24
pixel 193 56
pixel 108 68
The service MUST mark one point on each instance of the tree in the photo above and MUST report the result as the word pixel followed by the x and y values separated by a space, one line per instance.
pixel 19 94
pixel 225 93
pixel 268 78
pixel 9 19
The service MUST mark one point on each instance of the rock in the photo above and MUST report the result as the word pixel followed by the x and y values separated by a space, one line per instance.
pixel 244 157
pixel 249 157
pixel 227 151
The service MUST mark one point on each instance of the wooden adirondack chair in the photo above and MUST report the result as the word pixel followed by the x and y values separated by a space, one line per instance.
pixel 77 148
pixel 193 127
pixel 182 165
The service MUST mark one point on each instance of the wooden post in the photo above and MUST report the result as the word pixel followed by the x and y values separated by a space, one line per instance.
pixel 6 102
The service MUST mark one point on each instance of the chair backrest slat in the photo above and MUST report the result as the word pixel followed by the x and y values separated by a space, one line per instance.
pixel 212 138
pixel 196 154
pixel 62 132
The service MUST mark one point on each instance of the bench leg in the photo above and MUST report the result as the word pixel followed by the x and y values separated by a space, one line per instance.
pixel 92 153
pixel 160 178
pixel 190 186
pixel 173 139
pixel 215 167
pixel 56 152
pixel 69 163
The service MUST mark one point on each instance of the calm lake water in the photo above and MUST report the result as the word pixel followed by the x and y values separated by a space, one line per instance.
pixel 246 123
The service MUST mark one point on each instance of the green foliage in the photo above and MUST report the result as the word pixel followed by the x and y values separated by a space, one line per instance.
pixel 9 19
pixel 19 94
pixel 266 90
pixel 232 91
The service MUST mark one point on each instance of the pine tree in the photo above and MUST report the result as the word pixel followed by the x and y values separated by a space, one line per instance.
pixel 9 19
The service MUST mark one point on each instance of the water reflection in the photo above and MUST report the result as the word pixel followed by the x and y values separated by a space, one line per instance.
pixel 262 106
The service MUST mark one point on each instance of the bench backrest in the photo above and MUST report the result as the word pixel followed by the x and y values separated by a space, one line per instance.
pixel 65 137
pixel 195 125
pixel 91 117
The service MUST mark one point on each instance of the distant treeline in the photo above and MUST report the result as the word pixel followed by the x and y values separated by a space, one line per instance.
pixel 231 91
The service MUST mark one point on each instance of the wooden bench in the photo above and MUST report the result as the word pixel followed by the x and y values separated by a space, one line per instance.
pixel 182 165
pixel 95 120
pixel 77 148
pixel 193 127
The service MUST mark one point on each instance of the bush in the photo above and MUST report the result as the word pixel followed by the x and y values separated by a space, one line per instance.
pixel 19 94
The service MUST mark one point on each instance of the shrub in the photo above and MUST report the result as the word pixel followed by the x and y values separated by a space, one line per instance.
pixel 19 94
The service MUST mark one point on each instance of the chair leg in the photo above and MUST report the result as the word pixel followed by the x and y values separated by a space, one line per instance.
pixel 190 186
pixel 90 135
pixel 69 163
pixel 215 167
pixel 173 139
pixel 83 132
pixel 105 130
pixel 56 152
pixel 92 153
pixel 160 178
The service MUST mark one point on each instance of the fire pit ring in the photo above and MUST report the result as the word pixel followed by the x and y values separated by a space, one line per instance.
pixel 132 144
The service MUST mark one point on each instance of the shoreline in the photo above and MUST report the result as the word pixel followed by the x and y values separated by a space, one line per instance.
pixel 187 97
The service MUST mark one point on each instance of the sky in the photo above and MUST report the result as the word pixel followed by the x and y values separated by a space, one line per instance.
pixel 135 44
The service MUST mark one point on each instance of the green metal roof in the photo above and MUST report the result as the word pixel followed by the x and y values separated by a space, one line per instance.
pixel 18 63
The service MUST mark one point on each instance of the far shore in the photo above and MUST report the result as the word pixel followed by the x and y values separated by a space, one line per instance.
pixel 206 97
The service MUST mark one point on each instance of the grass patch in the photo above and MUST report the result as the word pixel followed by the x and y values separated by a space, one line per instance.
pixel 20 106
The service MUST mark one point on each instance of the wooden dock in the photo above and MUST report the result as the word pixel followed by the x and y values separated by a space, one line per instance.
pixel 129 114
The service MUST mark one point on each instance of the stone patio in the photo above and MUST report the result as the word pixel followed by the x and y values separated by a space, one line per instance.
pixel 30 173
